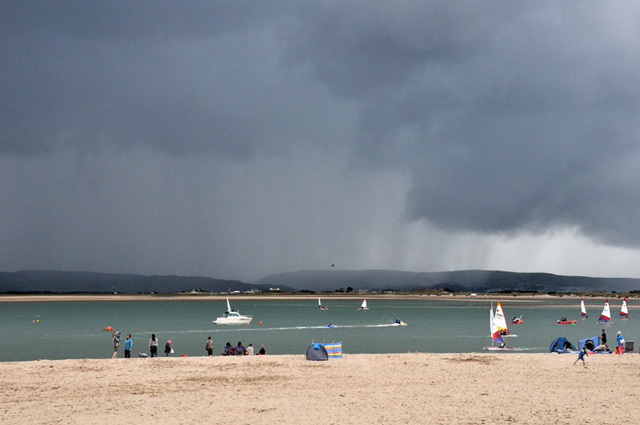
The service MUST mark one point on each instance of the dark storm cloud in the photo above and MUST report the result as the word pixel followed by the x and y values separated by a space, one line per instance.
pixel 495 118
pixel 188 77
pixel 506 118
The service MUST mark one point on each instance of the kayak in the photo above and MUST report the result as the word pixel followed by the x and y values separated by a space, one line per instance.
pixel 516 321
pixel 566 322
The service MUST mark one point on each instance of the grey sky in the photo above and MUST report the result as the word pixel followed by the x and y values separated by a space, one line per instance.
pixel 238 139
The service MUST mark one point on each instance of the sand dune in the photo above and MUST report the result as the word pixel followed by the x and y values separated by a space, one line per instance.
pixel 413 388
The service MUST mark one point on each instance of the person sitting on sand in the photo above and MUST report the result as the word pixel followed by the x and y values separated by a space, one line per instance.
pixel 601 347
pixel 262 351
pixel 228 349
pixel 240 349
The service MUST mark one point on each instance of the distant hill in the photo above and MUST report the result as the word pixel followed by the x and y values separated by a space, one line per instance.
pixel 312 280
pixel 88 282
pixel 459 281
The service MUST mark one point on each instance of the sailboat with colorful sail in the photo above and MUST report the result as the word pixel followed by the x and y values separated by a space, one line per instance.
pixel 605 316
pixel 496 333
pixel 624 310
pixel 583 310
pixel 363 306
pixel 501 321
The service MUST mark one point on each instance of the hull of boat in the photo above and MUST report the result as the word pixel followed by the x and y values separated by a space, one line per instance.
pixel 233 320
pixel 499 349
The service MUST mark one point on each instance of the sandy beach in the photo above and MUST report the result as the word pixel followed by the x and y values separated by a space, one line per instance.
pixel 411 388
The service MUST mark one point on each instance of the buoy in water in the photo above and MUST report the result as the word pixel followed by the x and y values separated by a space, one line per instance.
pixel 108 328
pixel 259 323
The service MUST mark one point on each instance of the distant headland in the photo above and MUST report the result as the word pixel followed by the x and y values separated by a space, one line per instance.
pixel 309 281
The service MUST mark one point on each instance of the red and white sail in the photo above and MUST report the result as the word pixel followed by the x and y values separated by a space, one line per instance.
pixel 624 310
pixel 583 310
pixel 606 312
pixel 320 306
pixel 363 306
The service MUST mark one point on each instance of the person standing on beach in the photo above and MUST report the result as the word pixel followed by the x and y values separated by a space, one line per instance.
pixel 128 343
pixel 603 337
pixel 115 339
pixel 153 346
pixel 620 342
pixel 167 349
pixel 581 356
pixel 209 346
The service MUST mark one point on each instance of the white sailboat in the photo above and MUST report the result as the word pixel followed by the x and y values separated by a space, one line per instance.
pixel 624 310
pixel 232 317
pixel 605 316
pixel 363 306
pixel 320 306
pixel 583 310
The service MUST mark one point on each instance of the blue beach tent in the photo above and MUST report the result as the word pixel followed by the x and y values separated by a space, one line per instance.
pixel 591 343
pixel 561 345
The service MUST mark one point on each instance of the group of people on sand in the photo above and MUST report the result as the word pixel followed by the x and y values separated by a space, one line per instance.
pixel 603 347
pixel 238 350
pixel 128 343
pixel 154 343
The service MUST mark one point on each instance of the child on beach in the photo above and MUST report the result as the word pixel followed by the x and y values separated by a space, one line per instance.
pixel 581 356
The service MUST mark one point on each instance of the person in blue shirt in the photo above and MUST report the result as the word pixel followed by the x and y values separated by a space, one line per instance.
pixel 620 342
pixel 583 353
pixel 128 343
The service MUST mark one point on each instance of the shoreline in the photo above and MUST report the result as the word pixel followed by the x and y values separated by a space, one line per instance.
pixel 209 297
pixel 527 388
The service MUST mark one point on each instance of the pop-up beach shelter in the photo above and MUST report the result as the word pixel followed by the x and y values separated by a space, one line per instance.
pixel 561 345
pixel 316 351
pixel 590 343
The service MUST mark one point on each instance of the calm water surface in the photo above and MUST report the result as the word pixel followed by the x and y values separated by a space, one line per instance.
pixel 74 329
